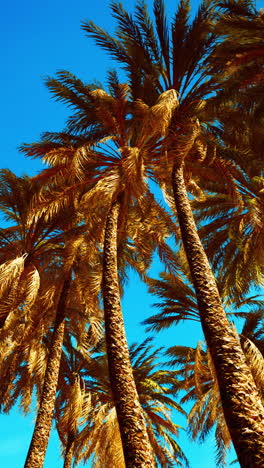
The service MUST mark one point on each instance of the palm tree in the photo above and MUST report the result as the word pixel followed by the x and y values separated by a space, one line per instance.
pixel 27 250
pixel 158 56
pixel 234 222
pixel 244 422
pixel 27 367
pixel 200 383
pixel 221 338
pixel 40 246
pixel 197 373
pixel 69 279
pixel 102 166
pixel 86 395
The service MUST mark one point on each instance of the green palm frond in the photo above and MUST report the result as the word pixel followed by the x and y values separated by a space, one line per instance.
pixel 108 43
pixel 158 55
pixel 163 34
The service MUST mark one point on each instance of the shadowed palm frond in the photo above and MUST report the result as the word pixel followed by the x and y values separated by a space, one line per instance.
pixel 98 439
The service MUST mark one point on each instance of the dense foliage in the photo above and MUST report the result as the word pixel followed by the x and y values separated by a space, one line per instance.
pixel 188 122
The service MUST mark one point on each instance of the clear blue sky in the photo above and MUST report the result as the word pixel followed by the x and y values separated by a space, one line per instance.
pixel 38 38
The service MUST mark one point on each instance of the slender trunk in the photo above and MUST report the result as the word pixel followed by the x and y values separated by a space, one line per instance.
pixel 40 438
pixel 136 446
pixel 242 406
pixel 69 451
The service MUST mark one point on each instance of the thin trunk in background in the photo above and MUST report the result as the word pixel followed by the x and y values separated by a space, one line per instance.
pixel 243 410
pixel 39 442
pixel 136 446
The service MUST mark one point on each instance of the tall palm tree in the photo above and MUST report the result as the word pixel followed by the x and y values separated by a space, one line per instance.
pixel 245 423
pixel 221 338
pixel 69 282
pixel 42 253
pixel 33 363
pixel 86 395
pixel 101 169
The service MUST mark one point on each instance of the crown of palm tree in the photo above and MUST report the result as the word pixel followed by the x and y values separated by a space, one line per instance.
pixel 111 154
pixel 28 249
pixel 156 55
pixel 25 351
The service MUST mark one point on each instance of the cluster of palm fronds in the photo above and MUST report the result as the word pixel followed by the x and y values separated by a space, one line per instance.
pixel 190 119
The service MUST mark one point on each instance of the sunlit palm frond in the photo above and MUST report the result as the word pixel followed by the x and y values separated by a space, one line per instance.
pixel 255 361
pixel 10 271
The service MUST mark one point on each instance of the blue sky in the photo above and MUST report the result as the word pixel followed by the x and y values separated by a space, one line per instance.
pixel 40 38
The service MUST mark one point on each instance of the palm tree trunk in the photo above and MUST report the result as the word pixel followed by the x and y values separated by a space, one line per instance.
pixel 69 451
pixel 40 438
pixel 242 406
pixel 136 446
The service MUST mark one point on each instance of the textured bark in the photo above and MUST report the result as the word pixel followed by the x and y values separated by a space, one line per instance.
pixel 136 446
pixel 69 452
pixel 40 438
pixel 242 406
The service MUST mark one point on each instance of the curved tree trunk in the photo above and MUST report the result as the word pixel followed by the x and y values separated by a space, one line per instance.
pixel 136 446
pixel 242 406
pixel 40 438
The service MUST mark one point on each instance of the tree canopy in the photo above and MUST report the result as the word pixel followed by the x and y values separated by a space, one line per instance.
pixel 167 165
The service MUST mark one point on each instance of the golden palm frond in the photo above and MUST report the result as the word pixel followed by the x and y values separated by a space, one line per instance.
pixel 73 411
pixel 160 115
pixel 133 170
pixel 37 359
pixel 10 271
pixel 200 384
pixel 33 283
pixel 255 361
